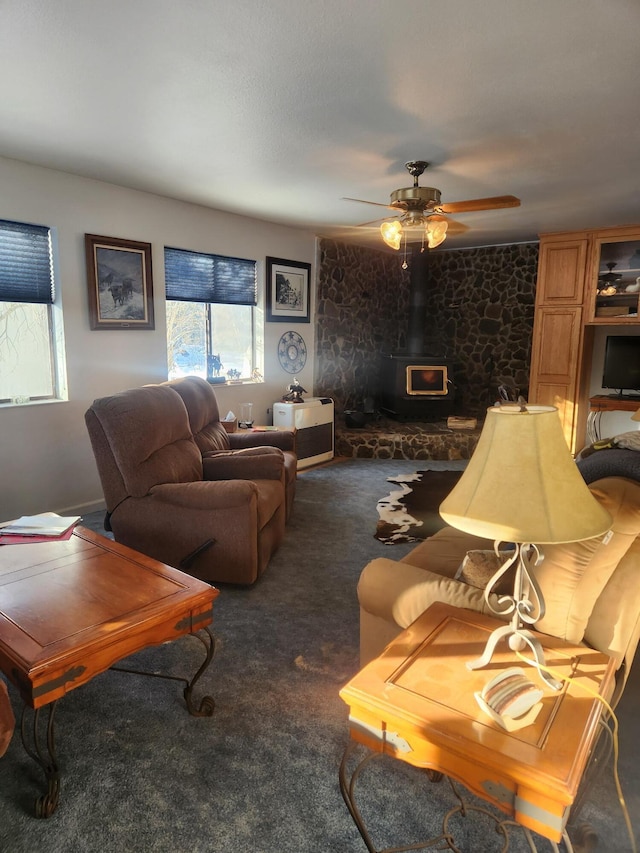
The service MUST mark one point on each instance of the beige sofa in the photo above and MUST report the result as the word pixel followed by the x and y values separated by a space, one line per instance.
pixel 591 589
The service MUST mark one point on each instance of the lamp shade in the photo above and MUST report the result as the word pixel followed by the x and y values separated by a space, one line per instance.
pixel 636 416
pixel 522 484
pixel 391 233
pixel 436 229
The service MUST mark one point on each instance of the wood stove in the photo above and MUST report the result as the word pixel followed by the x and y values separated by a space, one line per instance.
pixel 415 384
pixel 418 387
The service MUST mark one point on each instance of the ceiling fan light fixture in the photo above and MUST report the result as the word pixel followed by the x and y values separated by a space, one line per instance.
pixel 391 233
pixel 436 228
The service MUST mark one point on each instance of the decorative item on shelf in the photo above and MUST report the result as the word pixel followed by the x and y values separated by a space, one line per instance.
pixel 256 375
pixel 214 367
pixel 292 352
pixel 522 486
pixel 234 375
pixel 608 282
pixel 294 392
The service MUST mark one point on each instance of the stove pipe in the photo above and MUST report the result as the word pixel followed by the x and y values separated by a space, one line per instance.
pixel 418 288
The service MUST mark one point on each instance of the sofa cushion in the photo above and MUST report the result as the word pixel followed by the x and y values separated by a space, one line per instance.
pixel 478 567
pixel 573 574
pixel 611 628
pixel 445 550
pixel 400 592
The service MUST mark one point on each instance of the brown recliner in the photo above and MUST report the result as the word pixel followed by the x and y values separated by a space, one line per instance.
pixel 211 437
pixel 220 525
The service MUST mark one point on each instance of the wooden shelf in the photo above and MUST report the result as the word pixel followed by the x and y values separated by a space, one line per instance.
pixel 614 403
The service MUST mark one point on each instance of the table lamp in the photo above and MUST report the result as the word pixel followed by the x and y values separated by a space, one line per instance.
pixel 522 486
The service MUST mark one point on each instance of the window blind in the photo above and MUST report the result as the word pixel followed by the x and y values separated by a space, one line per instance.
pixel 198 277
pixel 26 268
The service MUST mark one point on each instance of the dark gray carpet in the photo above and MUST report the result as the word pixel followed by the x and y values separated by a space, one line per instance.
pixel 261 775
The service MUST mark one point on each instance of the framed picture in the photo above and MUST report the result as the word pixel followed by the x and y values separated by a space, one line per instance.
pixel 287 294
pixel 120 283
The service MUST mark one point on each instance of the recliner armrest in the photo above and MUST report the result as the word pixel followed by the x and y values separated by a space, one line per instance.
pixel 400 592
pixel 284 439
pixel 207 495
pixel 251 464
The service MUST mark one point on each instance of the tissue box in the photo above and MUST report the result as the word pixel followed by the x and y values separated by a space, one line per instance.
pixel 230 426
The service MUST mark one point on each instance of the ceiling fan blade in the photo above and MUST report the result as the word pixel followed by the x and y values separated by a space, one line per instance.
pixel 374 221
pixel 480 204
pixel 362 201
pixel 456 227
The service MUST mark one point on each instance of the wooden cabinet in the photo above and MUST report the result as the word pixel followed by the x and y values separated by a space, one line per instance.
pixel 561 271
pixel 558 329
pixel 585 279
pixel 554 362
pixel 614 278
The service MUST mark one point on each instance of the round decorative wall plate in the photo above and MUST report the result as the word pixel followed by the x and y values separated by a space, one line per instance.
pixel 292 352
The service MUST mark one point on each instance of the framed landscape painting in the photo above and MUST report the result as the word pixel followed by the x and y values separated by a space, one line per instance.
pixel 287 293
pixel 120 283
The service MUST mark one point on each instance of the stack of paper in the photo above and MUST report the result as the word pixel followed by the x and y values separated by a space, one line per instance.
pixel 47 524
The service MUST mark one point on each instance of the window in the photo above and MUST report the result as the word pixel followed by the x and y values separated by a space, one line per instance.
pixel 27 321
pixel 211 303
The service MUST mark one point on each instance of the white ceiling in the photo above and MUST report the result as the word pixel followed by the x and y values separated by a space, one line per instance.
pixel 277 109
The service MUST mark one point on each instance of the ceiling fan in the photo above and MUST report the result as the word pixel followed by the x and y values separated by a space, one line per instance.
pixel 421 209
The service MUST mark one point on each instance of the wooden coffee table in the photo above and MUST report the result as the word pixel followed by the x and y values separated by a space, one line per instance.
pixel 416 703
pixel 71 609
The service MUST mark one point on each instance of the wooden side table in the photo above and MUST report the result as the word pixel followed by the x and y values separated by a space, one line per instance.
pixel 72 609
pixel 416 703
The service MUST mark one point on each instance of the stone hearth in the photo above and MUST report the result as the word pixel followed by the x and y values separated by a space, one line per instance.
pixel 389 439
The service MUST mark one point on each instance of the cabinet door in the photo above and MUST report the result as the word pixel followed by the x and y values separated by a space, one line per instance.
pixel 613 291
pixel 562 271
pixel 554 378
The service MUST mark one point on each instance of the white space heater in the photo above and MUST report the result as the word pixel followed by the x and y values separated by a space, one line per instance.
pixel 313 422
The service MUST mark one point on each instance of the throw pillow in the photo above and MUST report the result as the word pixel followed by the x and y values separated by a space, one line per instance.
pixel 478 567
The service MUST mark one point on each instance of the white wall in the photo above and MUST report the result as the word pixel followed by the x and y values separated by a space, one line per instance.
pixel 46 461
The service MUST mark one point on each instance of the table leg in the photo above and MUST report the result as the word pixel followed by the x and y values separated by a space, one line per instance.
pixel 207 703
pixel 349 777
pixel 45 805
pixel 347 789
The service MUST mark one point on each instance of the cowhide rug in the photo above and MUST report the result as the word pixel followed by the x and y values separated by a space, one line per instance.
pixel 410 512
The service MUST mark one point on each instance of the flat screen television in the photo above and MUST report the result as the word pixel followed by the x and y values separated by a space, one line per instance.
pixel 622 363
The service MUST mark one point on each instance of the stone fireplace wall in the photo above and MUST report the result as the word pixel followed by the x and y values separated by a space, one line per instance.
pixel 480 305
pixel 361 311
